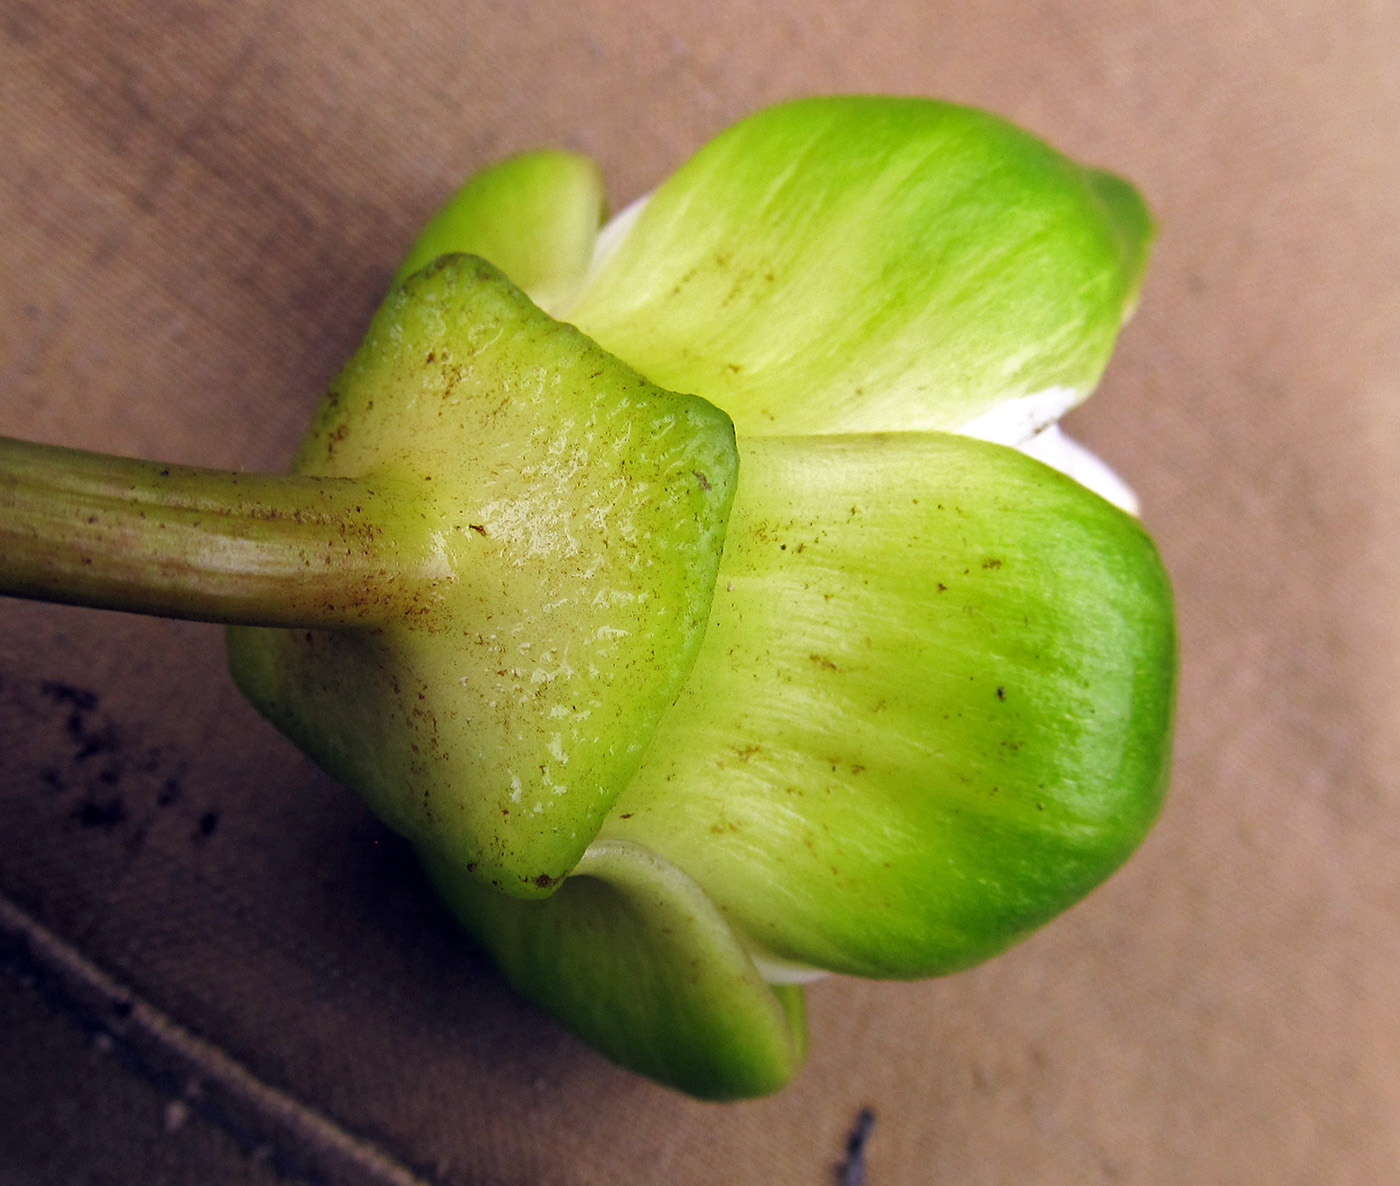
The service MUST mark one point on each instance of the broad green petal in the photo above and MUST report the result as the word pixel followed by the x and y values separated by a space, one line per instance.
pixel 931 711
pixel 872 264
pixel 579 513
pixel 635 959
pixel 534 216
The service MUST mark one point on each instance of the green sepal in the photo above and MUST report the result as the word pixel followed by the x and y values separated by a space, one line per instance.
pixel 534 216
pixel 632 956
pixel 872 264
pixel 578 513
pixel 931 711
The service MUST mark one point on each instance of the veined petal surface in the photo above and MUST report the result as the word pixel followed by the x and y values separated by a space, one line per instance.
pixel 931 710
pixel 871 264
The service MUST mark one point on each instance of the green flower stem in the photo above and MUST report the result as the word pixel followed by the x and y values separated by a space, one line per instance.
pixel 210 545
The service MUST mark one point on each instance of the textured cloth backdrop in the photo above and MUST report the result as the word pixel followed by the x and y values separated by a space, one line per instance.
pixel 218 967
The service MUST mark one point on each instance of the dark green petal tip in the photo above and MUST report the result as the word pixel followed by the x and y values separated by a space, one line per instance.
pixel 633 957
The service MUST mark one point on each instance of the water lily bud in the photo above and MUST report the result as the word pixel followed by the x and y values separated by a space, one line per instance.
pixel 931 708
pixel 699 594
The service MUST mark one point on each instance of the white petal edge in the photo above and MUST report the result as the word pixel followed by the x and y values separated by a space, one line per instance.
pixel 609 239
pixel 776 970
pixel 1054 447
pixel 1019 419
pixel 1031 423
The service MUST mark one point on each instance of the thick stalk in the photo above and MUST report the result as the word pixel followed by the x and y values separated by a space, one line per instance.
pixel 210 545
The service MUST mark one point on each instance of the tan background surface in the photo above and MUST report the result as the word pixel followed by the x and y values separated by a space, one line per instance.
pixel 218 968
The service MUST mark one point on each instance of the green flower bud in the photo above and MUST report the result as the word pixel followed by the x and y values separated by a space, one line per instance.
pixel 931 706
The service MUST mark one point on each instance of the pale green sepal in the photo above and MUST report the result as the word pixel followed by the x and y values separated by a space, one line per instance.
pixel 871 264
pixel 631 955
pixel 931 711
pixel 534 216
pixel 579 513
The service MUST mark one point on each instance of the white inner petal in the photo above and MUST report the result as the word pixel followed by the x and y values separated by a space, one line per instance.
pixel 1015 421
pixel 610 238
pixel 1030 423
pixel 776 970
pixel 1068 456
